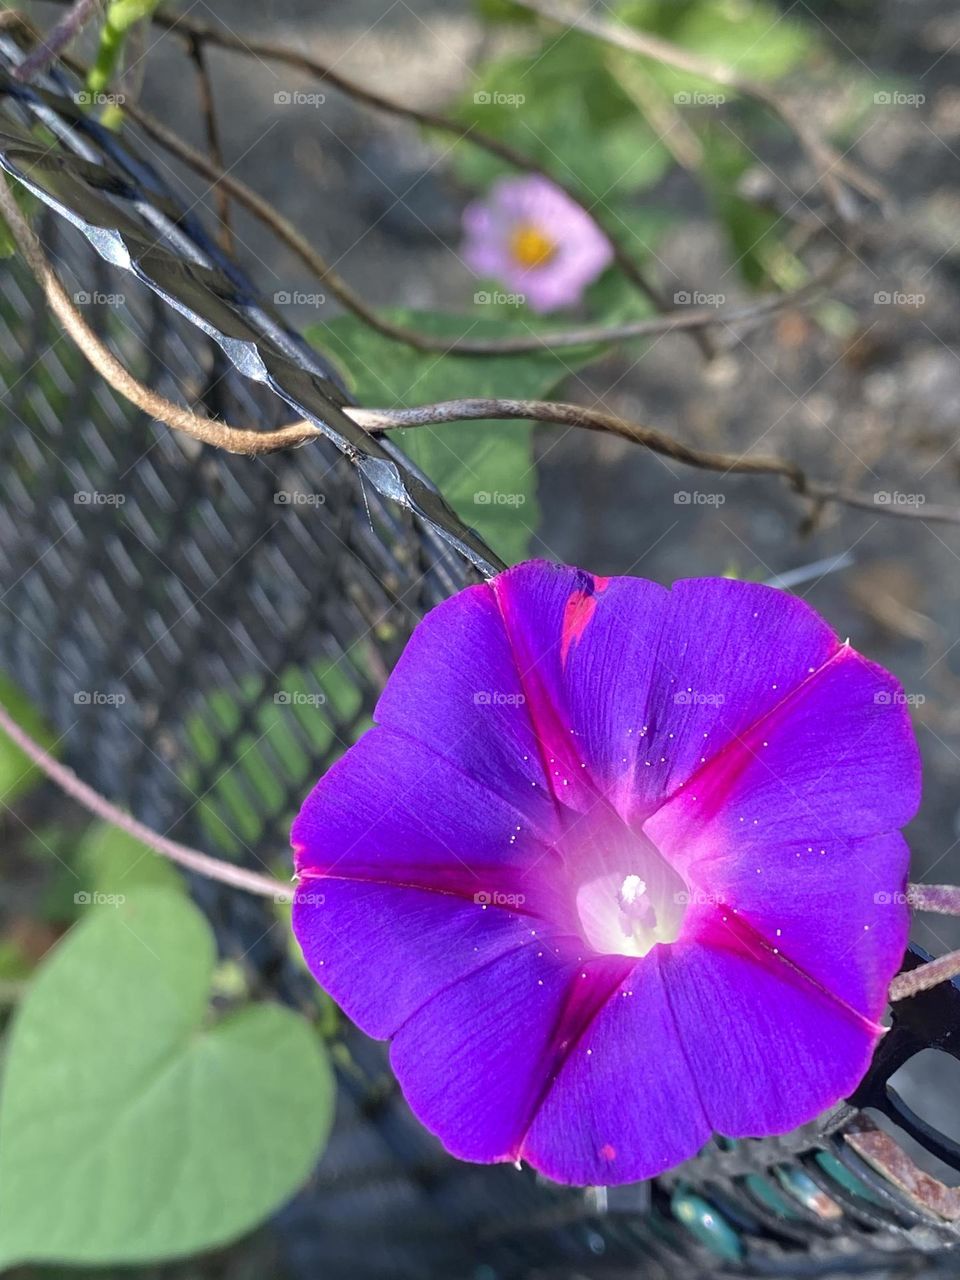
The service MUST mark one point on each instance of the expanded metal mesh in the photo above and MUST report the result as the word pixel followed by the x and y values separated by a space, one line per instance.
pixel 206 633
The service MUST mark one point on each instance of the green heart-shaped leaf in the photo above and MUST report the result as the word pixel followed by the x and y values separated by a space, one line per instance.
pixel 134 1124
pixel 17 774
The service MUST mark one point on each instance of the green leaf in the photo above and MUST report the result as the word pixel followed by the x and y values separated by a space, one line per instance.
pixel 503 11
pixel 754 231
pixel 112 863
pixel 8 246
pixel 14 962
pixel 613 297
pixel 134 1124
pixel 485 470
pixel 488 480
pixel 17 774
pixel 756 38
pixel 560 107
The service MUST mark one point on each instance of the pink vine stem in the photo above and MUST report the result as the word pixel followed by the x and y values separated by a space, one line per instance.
pixel 100 807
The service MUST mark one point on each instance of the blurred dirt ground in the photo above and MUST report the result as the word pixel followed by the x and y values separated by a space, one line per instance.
pixel 874 402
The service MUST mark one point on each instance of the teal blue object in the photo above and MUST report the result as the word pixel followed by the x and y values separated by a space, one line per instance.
pixel 803 1188
pixel 769 1196
pixel 846 1178
pixel 706 1223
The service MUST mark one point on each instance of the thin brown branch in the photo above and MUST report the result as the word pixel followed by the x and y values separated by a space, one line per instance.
pixel 585 335
pixel 51 45
pixel 288 234
pixel 206 430
pixel 225 39
pixel 191 30
pixel 208 110
pixel 226 184
pixel 656 441
pixel 242 440
pixel 827 163
pixel 100 807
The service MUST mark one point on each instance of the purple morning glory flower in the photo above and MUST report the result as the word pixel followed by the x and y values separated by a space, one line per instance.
pixel 536 241
pixel 618 867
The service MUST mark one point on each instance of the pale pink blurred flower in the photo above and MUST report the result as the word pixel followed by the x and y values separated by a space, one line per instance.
pixel 532 238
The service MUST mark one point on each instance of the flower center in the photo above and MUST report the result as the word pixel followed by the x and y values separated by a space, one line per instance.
pixel 627 896
pixel 530 247
pixel 635 902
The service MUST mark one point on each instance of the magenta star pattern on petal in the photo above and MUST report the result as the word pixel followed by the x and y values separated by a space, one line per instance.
pixel 531 237
pixel 619 867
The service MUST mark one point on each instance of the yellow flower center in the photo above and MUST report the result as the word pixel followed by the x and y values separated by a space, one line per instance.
pixel 530 247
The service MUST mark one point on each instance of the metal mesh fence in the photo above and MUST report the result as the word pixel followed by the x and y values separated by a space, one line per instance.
pixel 206 633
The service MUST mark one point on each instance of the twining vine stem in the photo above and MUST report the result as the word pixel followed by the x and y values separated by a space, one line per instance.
pixel 669 321
pixel 656 441
pixel 903 986
pixel 827 162
pixel 50 45
pixel 100 807
pixel 937 898
pixel 197 33
pixel 927 976
pixel 227 184
pixel 252 443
